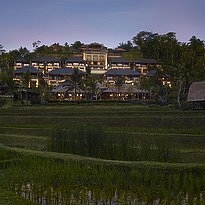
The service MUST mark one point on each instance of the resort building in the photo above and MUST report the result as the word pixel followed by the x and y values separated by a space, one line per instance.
pixel 144 64
pixel 27 76
pixel 196 95
pixel 76 62
pixel 21 62
pixel 96 56
pixel 119 63
pixel 164 78
pixel 129 76
pixel 124 92
pixel 59 75
pixel 46 64
pixel 68 91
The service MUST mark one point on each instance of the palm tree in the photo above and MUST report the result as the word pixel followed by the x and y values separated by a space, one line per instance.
pixel 119 81
pixel 76 80
pixel 144 85
pixel 91 85
pixel 26 83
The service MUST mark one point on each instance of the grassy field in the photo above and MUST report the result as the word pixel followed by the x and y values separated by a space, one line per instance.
pixel 30 127
pixel 150 131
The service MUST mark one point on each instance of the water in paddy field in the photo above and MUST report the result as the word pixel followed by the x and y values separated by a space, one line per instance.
pixel 112 187
pixel 90 198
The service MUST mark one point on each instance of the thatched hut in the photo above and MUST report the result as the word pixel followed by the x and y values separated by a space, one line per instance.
pixel 196 95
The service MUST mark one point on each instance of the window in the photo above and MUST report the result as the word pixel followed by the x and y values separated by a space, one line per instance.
pixel 89 57
pixel 95 57
pixel 102 58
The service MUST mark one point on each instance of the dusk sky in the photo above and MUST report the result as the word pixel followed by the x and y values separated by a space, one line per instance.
pixel 109 22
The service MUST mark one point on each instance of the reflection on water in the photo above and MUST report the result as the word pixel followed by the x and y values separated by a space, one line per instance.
pixel 59 182
pixel 84 196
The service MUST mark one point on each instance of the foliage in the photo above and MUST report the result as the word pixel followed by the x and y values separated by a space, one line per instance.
pixel 106 131
pixel 127 46
pixel 76 45
pixel 94 142
pixel 66 178
pixel 91 87
pixel 183 62
pixel 76 80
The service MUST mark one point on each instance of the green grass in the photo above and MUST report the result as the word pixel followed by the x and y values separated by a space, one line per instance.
pixel 78 158
pixel 57 174
pixel 30 126
pixel 9 198
pixel 25 157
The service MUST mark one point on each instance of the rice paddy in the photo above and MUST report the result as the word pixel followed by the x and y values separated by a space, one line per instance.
pixel 102 154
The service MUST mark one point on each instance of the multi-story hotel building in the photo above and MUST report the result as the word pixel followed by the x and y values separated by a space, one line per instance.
pixel 46 64
pixel 119 63
pixel 76 62
pixel 96 56
pixel 143 64
pixel 21 62
pixel 34 75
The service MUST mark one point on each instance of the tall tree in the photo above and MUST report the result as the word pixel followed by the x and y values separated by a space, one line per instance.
pixel 76 45
pixel 76 80
pixel 26 83
pixel 119 81
pixel 91 86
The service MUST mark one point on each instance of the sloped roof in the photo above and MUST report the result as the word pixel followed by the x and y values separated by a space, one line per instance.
pixel 196 92
pixel 43 59
pixel 66 87
pixel 119 60
pixel 64 71
pixel 75 60
pixel 151 73
pixel 120 50
pixel 125 88
pixel 122 72
pixel 27 69
pixel 146 61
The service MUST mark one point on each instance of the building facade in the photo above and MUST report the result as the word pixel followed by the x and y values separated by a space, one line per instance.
pixel 27 76
pixel 46 64
pixel 76 62
pixel 96 56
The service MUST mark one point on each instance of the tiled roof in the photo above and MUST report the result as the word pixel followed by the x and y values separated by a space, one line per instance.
pixel 146 61
pixel 27 69
pixel 122 72
pixel 66 87
pixel 46 59
pixel 119 60
pixel 125 88
pixel 151 73
pixel 75 60
pixel 64 71
pixel 120 50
